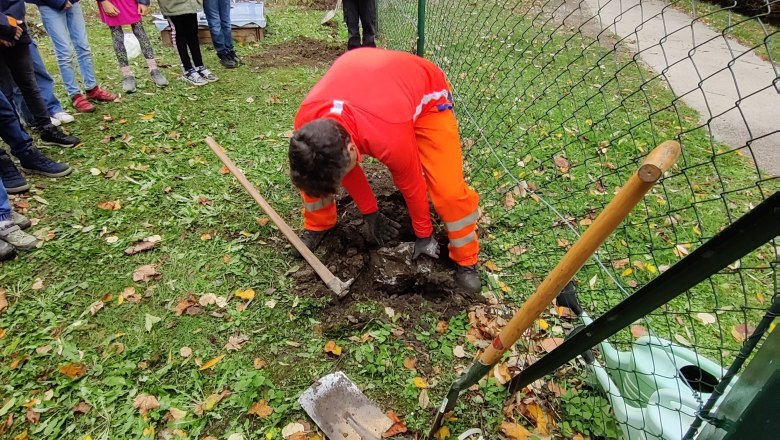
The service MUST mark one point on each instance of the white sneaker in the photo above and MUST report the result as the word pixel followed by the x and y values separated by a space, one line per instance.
pixel 55 122
pixel 193 77
pixel 64 117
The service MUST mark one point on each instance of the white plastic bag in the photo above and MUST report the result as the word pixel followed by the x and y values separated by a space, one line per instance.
pixel 132 46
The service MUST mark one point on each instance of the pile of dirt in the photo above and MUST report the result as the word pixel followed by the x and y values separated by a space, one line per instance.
pixel 386 274
pixel 317 5
pixel 302 51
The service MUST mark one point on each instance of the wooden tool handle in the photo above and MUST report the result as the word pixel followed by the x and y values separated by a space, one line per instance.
pixel 659 160
pixel 327 277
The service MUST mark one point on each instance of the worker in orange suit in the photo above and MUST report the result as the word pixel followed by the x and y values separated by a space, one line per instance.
pixel 397 108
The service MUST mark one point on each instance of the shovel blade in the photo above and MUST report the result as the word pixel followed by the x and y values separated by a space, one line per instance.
pixel 328 16
pixel 342 411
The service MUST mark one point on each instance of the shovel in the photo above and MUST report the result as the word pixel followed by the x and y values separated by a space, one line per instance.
pixel 340 288
pixel 342 411
pixel 332 13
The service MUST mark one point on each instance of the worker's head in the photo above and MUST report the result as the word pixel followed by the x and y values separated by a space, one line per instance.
pixel 321 154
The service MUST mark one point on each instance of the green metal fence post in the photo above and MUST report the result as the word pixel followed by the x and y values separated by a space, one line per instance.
pixel 421 27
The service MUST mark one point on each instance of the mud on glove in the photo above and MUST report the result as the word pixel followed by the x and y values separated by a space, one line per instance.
pixel 428 246
pixel 381 228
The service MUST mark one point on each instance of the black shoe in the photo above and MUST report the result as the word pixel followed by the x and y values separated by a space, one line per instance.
pixel 51 135
pixel 468 278
pixel 6 251
pixel 235 57
pixel 311 239
pixel 13 181
pixel 227 60
pixel 33 161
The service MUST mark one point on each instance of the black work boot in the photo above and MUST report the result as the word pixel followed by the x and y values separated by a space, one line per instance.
pixel 311 239
pixel 227 61
pixel 51 135
pixel 33 161
pixel 6 251
pixel 468 278
pixel 13 181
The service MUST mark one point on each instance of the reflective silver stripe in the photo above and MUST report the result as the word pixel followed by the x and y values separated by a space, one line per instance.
pixel 460 242
pixel 319 204
pixel 468 220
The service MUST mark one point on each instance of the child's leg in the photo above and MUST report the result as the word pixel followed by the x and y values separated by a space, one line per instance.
pixel 192 40
pixel 118 38
pixel 77 28
pixel 179 30
pixel 146 45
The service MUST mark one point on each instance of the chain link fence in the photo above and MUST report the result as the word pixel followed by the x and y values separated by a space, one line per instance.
pixel 559 101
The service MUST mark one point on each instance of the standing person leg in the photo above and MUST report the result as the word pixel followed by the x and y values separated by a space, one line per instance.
pixel 211 8
pixel 193 44
pixel 352 18
pixel 6 250
pixel 77 30
pixel 457 204
pixel 56 24
pixel 368 22
pixel 118 41
pixel 11 234
pixel 179 36
pixel 227 29
pixel 148 52
pixel 46 85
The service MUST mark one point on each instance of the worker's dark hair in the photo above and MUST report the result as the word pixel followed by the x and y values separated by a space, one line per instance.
pixel 319 157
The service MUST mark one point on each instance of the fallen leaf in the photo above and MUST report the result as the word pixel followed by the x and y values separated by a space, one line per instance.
pixel 682 340
pixel 176 414
pixel 3 300
pixel 592 282
pixel 741 332
pixel 150 321
pixel 73 370
pixel 207 299
pixel 95 307
pixel 680 250
pixel 288 134
pixel 146 273
pixel 409 363
pixel 562 243
pixel 543 420
pixel 113 205
pixel 2 333
pixel 518 250
pixel 442 327
pixel 491 266
pixel 19 361
pixel 423 399
pixel 271 303
pixel 509 201
pixel 82 408
pixel 638 331
pixel 145 403
pixel 235 342
pixel 211 363
pixel 261 409
pixel 332 348
pixel 515 431
pixel 562 163
pixel 501 373
pixel 247 294
pixel 211 402
pixel 185 304
pixel 292 429
pixel 398 426
pixel 128 294
pixel 141 246
pixel 549 344
pixel 32 416
pixel 205 237
pixel 262 221
pixel 224 170
pixel 419 382
pixel 389 312
pixel 43 349
pixel 543 325
pixel 203 200
pixel 259 363
pixel 22 436
pixel 706 318
pixel 458 351
pixel 185 352
pixel 38 284
pixel 112 239
pixel 443 433
pixel 236 436
pixel 619 264
pixel 147 117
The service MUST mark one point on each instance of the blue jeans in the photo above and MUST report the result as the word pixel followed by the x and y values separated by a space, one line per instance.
pixel 5 205
pixel 218 16
pixel 68 31
pixel 45 83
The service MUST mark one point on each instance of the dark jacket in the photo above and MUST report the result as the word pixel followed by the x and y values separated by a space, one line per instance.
pixel 7 32
pixel 54 4
pixel 15 9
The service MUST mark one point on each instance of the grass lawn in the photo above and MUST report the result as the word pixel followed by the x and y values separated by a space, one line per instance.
pixel 84 347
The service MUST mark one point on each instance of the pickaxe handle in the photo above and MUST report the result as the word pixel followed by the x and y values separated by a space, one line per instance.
pixel 334 283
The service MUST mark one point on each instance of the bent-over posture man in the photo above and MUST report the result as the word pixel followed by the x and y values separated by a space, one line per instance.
pixel 396 107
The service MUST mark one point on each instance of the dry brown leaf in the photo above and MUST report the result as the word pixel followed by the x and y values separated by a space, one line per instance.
pixel 145 403
pixel 741 332
pixel 73 370
pixel 38 284
pixel 113 205
pixel 543 420
pixel 259 363
pixel 549 344
pixel 32 416
pixel 235 342
pixel 262 221
pixel 211 402
pixel 95 307
pixel 423 399
pixel 146 273
pixel 501 373
pixel 442 326
pixel 22 436
pixel 176 414
pixel 681 339
pixel 458 351
pixel 140 246
pixel 332 348
pixel 562 163
pixel 409 363
pixel 185 352
pixel 706 318
pixel 291 429
pixel 3 300
pixel 514 431
pixel 518 250
pixel 224 170
pixel 398 425
pixel 619 264
pixel 82 408
pixel 680 250
pixel 128 294
pixel 211 363
pixel 261 409
pixel 638 331
pixel 491 266
pixel 419 382
pixel 203 200
pixel 562 243
pixel 509 201
pixel 19 361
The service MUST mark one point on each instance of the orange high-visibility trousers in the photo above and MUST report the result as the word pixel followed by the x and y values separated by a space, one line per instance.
pixel 442 163
pixel 319 214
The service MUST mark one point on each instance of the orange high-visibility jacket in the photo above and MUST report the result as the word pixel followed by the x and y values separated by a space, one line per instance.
pixel 377 95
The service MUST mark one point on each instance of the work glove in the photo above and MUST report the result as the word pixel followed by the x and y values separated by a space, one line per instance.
pixel 381 228
pixel 428 246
